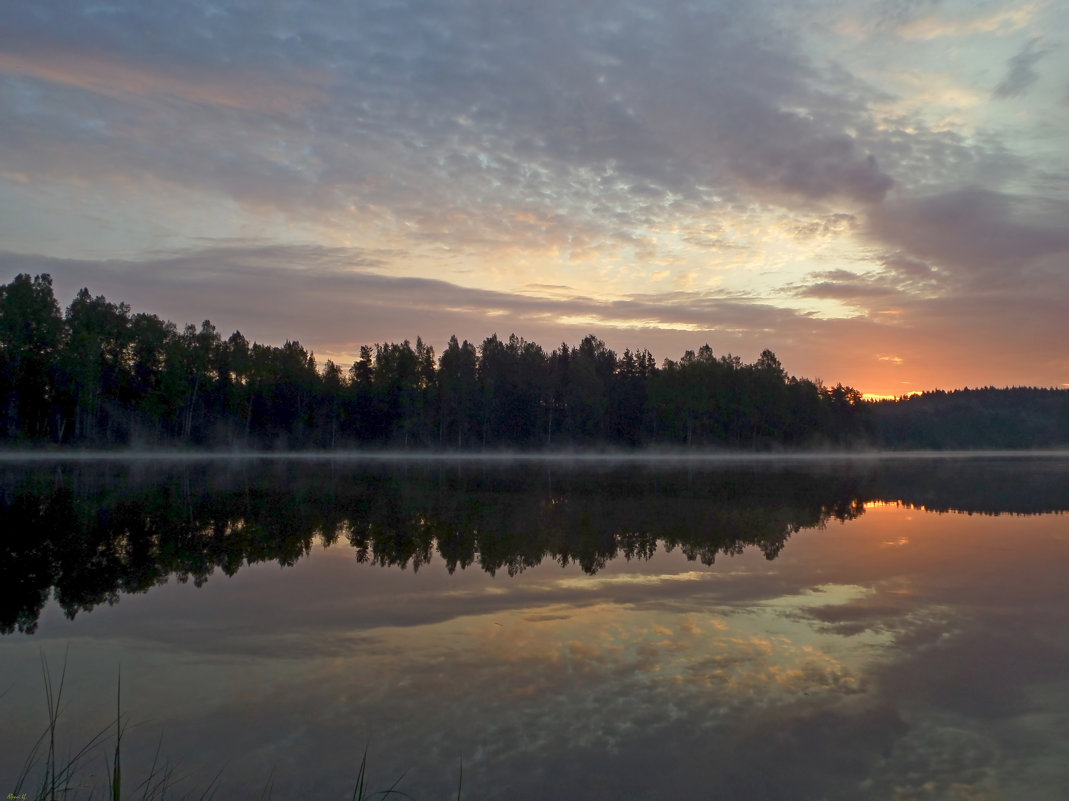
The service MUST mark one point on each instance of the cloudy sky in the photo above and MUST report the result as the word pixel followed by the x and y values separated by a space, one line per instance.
pixel 878 191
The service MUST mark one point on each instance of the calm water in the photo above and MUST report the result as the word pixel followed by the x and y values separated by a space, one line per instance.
pixel 756 630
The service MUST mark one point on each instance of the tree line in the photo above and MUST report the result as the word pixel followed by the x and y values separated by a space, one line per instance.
pixel 1013 418
pixel 100 375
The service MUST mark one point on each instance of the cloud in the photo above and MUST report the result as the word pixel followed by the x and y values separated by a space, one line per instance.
pixel 831 225
pixel 978 233
pixel 817 169
pixel 1021 74
pixel 336 297
pixel 1001 21
pixel 904 267
pixel 197 54
pixel 450 124
pixel 900 279
pixel 105 74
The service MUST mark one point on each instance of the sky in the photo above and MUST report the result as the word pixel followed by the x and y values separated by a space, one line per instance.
pixel 876 191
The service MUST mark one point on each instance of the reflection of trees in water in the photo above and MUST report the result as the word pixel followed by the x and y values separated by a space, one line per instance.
pixel 511 521
pixel 995 486
pixel 88 533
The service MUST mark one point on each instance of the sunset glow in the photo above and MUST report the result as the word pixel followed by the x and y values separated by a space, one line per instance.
pixel 876 192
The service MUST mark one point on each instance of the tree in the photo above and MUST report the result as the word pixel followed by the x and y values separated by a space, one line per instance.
pixel 151 338
pixel 395 381
pixel 31 332
pixel 331 390
pixel 241 386
pixel 769 407
pixel 847 413
pixel 95 367
pixel 202 352
pixel 590 370
pixel 457 371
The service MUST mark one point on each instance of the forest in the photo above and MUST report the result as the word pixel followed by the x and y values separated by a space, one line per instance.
pixel 100 375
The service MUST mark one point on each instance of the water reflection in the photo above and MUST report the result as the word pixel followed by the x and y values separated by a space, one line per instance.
pixel 905 654
pixel 90 532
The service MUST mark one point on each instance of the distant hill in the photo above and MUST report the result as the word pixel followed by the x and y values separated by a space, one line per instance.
pixel 1021 417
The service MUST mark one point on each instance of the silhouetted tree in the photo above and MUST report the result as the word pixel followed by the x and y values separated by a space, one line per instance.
pixel 31 331
pixel 457 386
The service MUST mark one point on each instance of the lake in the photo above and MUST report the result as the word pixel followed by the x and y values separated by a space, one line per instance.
pixel 850 628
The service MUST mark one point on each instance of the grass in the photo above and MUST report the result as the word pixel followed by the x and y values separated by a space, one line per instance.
pixel 58 778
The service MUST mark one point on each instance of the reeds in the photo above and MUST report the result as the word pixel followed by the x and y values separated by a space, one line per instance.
pixel 360 789
pixel 57 778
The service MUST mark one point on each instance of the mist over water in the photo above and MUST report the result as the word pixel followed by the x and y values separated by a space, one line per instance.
pixel 579 456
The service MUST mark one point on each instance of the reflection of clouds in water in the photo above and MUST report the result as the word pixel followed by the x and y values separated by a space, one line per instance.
pixel 934 761
pixel 591 583
pixel 601 679
pixel 843 670
pixel 694 649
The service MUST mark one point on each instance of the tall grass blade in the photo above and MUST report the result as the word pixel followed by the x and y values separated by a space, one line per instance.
pixel 53 699
pixel 152 786
pixel 210 790
pixel 116 777
pixel 392 790
pixel 358 790
pixel 265 794
pixel 27 765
